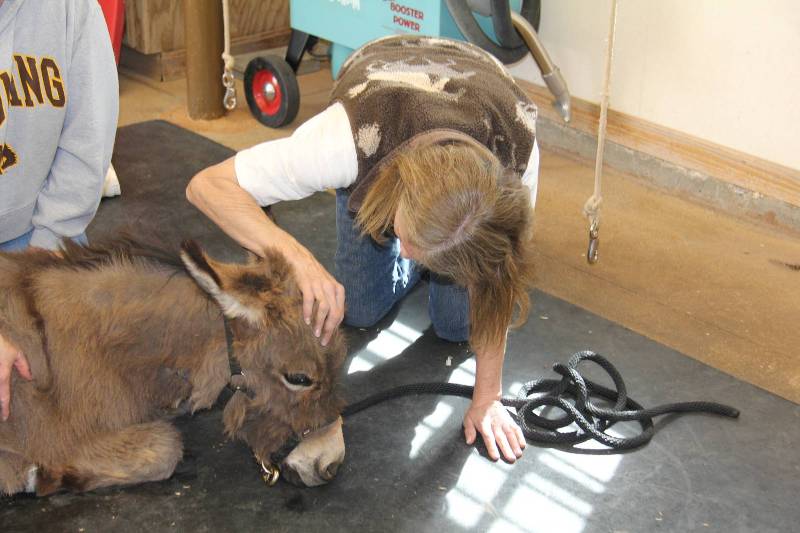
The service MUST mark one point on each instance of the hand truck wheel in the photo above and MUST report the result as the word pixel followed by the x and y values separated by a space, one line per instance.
pixel 271 89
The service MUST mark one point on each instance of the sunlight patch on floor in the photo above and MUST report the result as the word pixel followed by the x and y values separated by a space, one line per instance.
pixel 429 425
pixel 514 388
pixel 554 497
pixel 536 504
pixel 532 509
pixel 563 468
pixel 464 373
pixel 480 481
pixel 557 493
pixel 389 343
pixel 599 468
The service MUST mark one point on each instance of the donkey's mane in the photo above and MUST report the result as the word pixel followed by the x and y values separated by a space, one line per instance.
pixel 124 249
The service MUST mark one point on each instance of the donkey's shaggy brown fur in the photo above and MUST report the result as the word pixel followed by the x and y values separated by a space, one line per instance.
pixel 119 335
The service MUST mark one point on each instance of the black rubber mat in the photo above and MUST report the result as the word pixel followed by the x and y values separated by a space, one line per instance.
pixel 407 467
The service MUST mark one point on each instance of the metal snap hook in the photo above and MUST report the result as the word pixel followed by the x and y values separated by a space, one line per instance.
pixel 229 100
pixel 594 242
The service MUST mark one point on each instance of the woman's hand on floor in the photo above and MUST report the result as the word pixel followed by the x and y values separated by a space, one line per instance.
pixel 10 357
pixel 318 287
pixel 498 429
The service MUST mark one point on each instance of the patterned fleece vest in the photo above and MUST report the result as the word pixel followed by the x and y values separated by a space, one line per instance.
pixel 406 91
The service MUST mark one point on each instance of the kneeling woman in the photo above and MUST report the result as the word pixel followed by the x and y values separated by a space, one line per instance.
pixel 430 146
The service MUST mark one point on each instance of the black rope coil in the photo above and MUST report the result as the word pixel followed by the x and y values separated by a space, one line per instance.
pixel 592 421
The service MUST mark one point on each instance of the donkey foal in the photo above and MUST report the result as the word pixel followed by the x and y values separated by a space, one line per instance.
pixel 118 336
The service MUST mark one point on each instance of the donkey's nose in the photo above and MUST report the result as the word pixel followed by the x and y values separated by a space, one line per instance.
pixel 329 472
pixel 292 476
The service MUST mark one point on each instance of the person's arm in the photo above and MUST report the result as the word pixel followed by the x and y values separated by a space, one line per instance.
pixel 71 194
pixel 486 415
pixel 319 155
pixel 10 357
pixel 217 193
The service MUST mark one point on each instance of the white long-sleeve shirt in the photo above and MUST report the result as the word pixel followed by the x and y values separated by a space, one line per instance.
pixel 319 155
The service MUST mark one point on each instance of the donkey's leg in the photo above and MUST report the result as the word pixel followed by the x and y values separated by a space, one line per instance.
pixel 171 389
pixel 135 454
pixel 17 474
pixel 208 379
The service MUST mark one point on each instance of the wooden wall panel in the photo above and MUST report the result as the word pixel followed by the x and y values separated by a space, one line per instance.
pixel 155 26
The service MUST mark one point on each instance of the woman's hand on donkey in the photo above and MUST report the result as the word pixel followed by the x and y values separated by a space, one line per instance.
pixel 323 296
pixel 10 357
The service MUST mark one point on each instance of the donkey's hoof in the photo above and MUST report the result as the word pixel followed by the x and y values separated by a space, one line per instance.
pixel 48 481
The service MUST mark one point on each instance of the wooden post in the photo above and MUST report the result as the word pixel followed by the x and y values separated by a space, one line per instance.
pixel 204 44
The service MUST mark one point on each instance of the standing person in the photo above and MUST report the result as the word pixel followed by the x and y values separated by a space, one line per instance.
pixel 430 145
pixel 59 101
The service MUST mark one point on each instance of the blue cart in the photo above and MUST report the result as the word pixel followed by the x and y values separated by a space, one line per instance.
pixel 506 28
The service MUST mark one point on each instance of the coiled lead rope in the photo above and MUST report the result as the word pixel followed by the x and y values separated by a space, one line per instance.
pixel 571 394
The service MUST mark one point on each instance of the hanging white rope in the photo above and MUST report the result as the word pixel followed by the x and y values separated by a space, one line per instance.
pixel 592 207
pixel 229 100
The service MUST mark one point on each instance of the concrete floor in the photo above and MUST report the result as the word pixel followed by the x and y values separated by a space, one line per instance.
pixel 407 467
pixel 720 289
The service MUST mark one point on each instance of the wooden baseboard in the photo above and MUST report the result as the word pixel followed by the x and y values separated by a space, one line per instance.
pixel 166 66
pixel 722 163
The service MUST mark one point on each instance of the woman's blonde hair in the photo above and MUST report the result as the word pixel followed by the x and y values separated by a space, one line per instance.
pixel 470 220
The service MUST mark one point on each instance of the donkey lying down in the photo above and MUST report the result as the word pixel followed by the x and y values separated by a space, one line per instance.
pixel 119 336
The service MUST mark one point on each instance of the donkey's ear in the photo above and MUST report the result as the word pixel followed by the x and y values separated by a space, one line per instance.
pixel 199 268
pixel 210 276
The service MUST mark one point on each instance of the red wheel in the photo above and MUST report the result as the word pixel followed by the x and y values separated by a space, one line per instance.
pixel 271 90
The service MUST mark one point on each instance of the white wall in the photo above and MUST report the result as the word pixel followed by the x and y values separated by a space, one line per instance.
pixel 723 70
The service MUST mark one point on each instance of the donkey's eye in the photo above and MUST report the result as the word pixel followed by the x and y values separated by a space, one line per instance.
pixel 297 381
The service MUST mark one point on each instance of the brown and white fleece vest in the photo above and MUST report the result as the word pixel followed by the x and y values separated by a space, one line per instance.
pixel 405 91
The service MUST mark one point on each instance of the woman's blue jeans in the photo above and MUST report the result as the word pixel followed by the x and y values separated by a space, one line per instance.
pixel 375 277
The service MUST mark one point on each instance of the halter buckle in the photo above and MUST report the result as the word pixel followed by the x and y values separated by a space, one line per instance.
pixel 269 473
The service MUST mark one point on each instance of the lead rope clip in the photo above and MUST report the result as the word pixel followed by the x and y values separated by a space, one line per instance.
pixel 592 207
pixel 594 242
pixel 229 100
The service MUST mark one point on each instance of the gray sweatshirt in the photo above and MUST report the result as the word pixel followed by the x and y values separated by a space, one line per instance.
pixel 59 100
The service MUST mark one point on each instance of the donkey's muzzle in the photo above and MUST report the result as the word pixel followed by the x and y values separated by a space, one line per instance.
pixel 321 475
pixel 316 459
